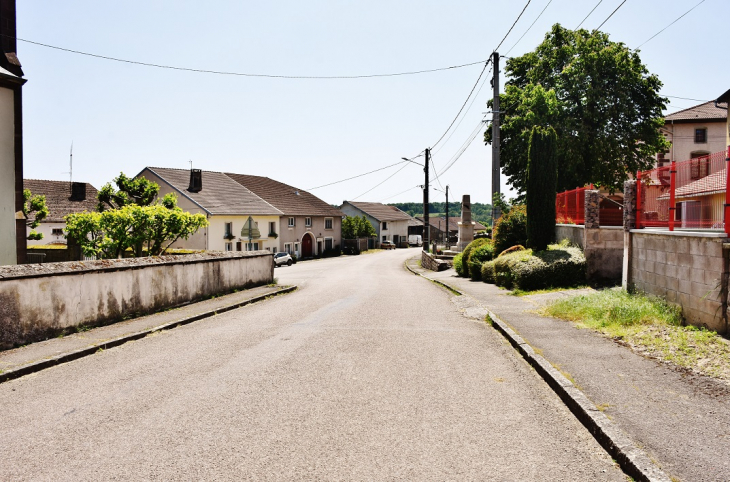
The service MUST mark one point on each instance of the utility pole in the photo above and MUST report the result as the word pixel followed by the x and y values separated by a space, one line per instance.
pixel 426 224
pixel 448 242
pixel 496 212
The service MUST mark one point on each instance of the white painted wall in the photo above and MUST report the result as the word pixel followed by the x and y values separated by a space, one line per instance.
pixel 8 252
pixel 682 137
pixel 46 229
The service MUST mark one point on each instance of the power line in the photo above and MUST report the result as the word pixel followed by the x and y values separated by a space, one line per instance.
pixel 355 177
pixel 463 147
pixel 243 74
pixel 622 4
pixel 675 21
pixel 402 192
pixel 685 98
pixel 380 183
pixel 435 172
pixel 513 25
pixel 531 25
pixel 589 14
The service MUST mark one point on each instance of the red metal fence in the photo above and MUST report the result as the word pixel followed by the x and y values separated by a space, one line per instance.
pixel 692 194
pixel 570 206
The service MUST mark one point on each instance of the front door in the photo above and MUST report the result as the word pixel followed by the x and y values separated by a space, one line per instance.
pixel 307 247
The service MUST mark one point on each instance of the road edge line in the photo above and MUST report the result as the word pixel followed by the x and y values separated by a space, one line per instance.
pixel 632 460
pixel 37 366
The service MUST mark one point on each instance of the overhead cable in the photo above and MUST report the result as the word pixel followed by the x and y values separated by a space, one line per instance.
pixel 380 183
pixel 589 14
pixel 675 21
pixel 530 27
pixel 622 4
pixel 355 177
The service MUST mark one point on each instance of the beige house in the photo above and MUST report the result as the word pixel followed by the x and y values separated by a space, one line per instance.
pixel 695 132
pixel 309 226
pixel 390 223
pixel 725 99
pixel 227 205
pixel 62 198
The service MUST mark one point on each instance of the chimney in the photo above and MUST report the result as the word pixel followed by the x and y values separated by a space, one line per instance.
pixel 8 56
pixel 78 191
pixel 196 180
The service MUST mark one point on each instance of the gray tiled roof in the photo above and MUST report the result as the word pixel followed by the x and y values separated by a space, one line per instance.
pixel 704 111
pixel 381 212
pixel 220 194
pixel 288 199
pixel 58 198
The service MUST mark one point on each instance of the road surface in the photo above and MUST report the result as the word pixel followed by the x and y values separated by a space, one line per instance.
pixel 365 373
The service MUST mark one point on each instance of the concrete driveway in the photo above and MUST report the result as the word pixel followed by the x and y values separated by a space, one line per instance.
pixel 365 373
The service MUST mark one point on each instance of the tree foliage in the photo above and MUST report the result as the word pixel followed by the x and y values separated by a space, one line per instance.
pixel 479 211
pixel 607 110
pixel 139 191
pixel 542 176
pixel 35 210
pixel 510 229
pixel 357 227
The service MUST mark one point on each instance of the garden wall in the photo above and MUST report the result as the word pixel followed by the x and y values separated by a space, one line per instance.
pixel 433 263
pixel 572 232
pixel 42 300
pixel 685 268
pixel 603 248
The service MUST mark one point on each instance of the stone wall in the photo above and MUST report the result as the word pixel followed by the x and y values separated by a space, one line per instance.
pixel 431 262
pixel 685 268
pixel 604 251
pixel 574 233
pixel 42 300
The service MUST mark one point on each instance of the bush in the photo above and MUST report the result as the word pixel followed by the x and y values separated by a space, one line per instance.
pixel 513 249
pixel 478 256
pixel 558 267
pixel 459 264
pixel 488 272
pixel 467 252
pixel 511 229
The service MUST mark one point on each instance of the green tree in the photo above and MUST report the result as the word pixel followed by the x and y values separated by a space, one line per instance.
pixel 35 210
pixel 542 176
pixel 608 110
pixel 357 227
pixel 364 228
pixel 349 227
pixel 139 191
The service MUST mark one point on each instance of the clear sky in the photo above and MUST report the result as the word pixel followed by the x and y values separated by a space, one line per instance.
pixel 307 132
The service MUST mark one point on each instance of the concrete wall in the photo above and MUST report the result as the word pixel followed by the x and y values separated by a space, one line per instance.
pixel 8 253
pixel 37 301
pixel 572 232
pixel 683 267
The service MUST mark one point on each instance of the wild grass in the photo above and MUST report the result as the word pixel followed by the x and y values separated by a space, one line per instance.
pixel 650 326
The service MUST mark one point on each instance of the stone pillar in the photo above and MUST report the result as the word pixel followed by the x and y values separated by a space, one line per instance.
pixel 592 209
pixel 466 225
pixel 629 224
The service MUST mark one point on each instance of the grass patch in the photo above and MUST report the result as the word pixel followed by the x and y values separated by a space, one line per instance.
pixel 518 292
pixel 650 326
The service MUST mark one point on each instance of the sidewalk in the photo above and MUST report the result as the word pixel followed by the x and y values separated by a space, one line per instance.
pixel 680 420
pixel 37 356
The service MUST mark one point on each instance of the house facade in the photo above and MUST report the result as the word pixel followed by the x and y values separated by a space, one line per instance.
pixel 62 198
pixel 12 222
pixel 239 219
pixel 308 226
pixel 390 223
pixel 695 132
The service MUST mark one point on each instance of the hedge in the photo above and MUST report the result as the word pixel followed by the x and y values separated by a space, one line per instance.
pixel 488 272
pixel 558 267
pixel 467 252
pixel 511 229
pixel 478 256
pixel 459 264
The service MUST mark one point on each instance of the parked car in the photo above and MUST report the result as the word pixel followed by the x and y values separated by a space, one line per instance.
pixel 283 258
pixel 415 240
pixel 387 245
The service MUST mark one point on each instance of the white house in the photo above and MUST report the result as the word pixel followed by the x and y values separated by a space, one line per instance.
pixel 62 198
pixel 390 223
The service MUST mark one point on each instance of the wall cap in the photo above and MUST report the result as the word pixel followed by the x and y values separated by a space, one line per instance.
pixel 689 234
pixel 24 271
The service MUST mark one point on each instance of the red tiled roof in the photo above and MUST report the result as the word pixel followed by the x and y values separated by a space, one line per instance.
pixel 220 195
pixel 58 198
pixel 381 212
pixel 287 199
pixel 705 111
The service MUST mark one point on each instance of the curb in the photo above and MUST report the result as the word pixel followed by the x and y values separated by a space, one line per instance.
pixel 441 283
pixel 633 461
pixel 90 350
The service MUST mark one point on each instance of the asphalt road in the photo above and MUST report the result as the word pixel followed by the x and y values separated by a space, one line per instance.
pixel 365 373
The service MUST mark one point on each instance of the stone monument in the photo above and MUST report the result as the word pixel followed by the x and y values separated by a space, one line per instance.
pixel 466 225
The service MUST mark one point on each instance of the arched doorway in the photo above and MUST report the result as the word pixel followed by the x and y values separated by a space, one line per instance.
pixel 307 246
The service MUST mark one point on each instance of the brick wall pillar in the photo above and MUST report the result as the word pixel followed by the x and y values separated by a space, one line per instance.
pixel 629 224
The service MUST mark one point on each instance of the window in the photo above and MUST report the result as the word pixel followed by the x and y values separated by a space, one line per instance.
pixel 385 238
pixel 238 246
pixel 272 228
pixel 385 226
pixel 308 222
pixel 296 248
pixel 291 222
pixel 57 231
pixel 228 234
pixel 699 165
pixel 287 247
pixel 229 246
pixel 701 135
pixel 252 246
pixel 327 223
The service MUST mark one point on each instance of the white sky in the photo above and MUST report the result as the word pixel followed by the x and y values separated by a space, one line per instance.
pixel 124 117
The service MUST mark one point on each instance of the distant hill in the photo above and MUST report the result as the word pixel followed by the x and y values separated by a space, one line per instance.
pixel 479 212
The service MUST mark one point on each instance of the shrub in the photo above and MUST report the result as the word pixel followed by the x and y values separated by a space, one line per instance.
pixel 488 272
pixel 511 229
pixel 478 256
pixel 467 252
pixel 513 249
pixel 558 267
pixel 459 264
